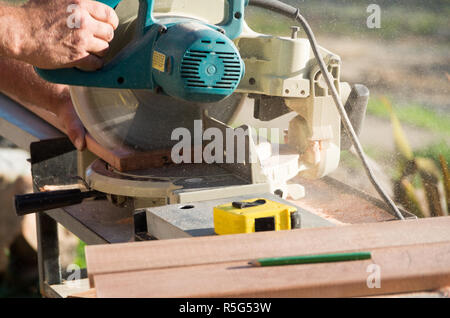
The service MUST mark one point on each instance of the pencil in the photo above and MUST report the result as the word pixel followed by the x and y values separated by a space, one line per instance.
pixel 311 259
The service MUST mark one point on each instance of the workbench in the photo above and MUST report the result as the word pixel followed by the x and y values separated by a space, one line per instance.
pixel 54 161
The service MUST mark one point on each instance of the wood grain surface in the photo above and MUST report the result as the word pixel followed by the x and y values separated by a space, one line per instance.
pixel 401 269
pixel 208 254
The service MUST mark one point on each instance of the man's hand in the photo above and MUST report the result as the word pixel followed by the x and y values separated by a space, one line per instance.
pixel 54 34
pixel 72 124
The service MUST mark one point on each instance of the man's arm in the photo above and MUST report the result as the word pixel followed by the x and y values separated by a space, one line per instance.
pixel 19 81
pixel 57 33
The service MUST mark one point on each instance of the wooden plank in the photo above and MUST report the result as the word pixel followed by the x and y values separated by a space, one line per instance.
pixel 234 248
pixel 402 269
pixel 122 158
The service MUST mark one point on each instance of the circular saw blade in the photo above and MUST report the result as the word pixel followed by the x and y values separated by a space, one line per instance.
pixel 141 119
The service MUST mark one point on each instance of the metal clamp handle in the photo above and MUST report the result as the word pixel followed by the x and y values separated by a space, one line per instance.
pixel 44 201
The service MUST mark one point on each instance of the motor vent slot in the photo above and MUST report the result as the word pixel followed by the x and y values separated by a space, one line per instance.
pixel 227 67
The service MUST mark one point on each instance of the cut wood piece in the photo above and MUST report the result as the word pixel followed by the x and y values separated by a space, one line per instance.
pixel 123 158
pixel 105 259
pixel 399 269
pixel 127 159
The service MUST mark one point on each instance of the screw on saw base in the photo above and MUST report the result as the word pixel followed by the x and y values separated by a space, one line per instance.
pixel 295 30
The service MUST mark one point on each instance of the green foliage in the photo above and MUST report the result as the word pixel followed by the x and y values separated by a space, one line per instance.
pixel 80 259
pixel 434 151
pixel 413 114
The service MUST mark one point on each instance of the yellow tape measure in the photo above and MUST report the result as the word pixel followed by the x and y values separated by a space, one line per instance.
pixel 254 215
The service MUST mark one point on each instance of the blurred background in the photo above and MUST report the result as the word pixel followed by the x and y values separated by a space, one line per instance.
pixel 406 65
pixel 404 61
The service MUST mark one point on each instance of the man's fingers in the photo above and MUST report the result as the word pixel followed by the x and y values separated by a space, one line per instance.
pixel 76 131
pixel 102 30
pixel 88 63
pixel 76 134
pixel 102 12
pixel 101 53
pixel 74 128
pixel 97 46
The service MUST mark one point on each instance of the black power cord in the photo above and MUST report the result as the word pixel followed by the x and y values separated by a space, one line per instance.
pixel 294 13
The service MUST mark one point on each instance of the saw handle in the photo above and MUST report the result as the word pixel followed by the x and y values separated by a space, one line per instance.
pixel 45 201
pixel 232 25
pixel 145 7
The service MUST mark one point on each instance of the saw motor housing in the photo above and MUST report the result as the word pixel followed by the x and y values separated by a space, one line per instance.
pixel 182 57
pixel 193 62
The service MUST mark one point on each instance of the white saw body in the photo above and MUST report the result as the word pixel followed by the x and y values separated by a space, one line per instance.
pixel 282 88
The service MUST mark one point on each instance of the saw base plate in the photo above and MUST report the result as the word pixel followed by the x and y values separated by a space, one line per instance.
pixel 171 183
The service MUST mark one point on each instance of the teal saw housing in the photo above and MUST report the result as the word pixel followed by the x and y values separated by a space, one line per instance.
pixel 181 57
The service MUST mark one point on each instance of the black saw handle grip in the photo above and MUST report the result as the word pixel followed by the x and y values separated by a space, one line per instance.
pixel 44 201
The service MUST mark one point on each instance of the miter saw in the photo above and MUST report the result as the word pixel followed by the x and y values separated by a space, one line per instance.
pixel 175 62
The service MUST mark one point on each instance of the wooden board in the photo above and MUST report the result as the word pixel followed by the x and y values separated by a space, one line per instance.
pixel 159 254
pixel 122 158
pixel 155 255
pixel 402 269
